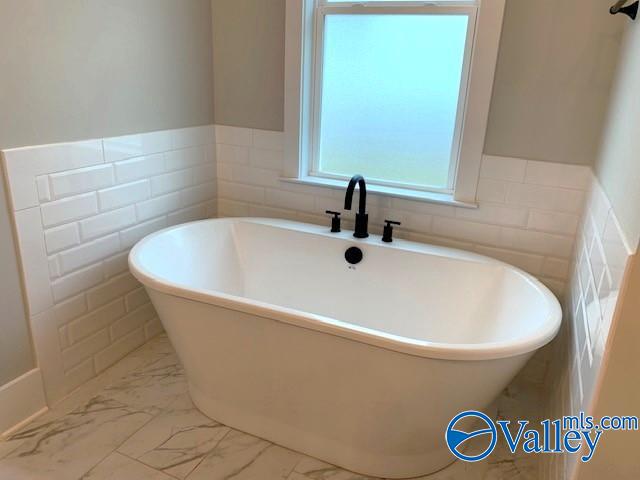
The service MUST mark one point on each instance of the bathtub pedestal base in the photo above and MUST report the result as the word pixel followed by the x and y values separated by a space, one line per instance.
pixel 343 456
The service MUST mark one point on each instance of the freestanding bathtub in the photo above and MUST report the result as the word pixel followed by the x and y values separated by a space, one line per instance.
pixel 361 366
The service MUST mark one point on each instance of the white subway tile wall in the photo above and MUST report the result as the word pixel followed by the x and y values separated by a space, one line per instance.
pixel 596 267
pixel 528 211
pixel 79 207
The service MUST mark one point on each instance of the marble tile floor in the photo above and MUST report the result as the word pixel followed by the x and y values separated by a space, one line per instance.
pixel 136 422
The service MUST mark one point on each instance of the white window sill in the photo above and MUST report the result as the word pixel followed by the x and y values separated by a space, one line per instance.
pixel 416 195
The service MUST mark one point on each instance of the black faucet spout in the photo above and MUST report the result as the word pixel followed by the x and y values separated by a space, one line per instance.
pixel 362 219
pixel 356 180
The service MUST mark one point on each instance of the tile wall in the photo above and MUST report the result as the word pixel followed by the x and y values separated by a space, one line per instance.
pixel 78 209
pixel 597 269
pixel 528 211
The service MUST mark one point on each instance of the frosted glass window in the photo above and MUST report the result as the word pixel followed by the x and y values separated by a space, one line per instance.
pixel 390 90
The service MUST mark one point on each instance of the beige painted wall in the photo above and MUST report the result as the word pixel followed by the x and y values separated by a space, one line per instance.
pixel 16 355
pixel 618 165
pixel 75 69
pixel 85 69
pixel 248 52
pixel 534 114
pixel 554 74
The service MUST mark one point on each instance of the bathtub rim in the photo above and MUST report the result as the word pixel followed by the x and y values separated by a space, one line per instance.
pixel 311 321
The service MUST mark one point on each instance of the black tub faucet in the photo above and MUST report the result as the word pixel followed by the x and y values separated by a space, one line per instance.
pixel 362 219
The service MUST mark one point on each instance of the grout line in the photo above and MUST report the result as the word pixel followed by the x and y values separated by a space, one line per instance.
pixel 205 457
pixel 144 464
pixel 115 450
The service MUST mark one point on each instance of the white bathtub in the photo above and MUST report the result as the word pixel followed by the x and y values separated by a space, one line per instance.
pixel 363 366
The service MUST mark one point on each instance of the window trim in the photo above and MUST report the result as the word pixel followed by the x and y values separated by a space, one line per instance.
pixel 299 96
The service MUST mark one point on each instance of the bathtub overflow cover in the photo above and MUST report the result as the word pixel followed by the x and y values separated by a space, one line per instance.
pixel 353 255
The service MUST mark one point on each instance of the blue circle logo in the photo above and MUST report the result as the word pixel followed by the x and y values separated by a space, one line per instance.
pixel 456 438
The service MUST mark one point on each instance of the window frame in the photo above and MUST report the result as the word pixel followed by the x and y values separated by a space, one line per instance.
pixel 303 63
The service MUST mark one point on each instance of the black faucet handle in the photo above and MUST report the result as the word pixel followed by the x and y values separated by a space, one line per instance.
pixel 335 221
pixel 387 234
